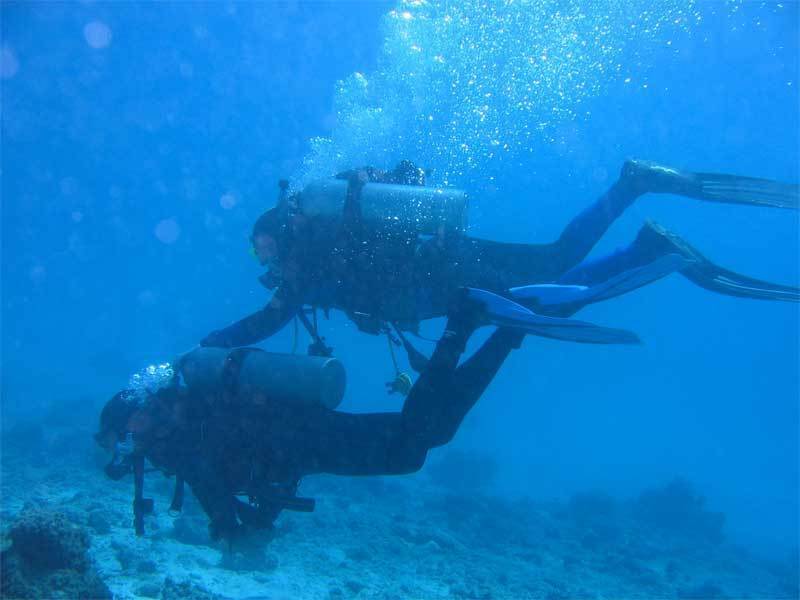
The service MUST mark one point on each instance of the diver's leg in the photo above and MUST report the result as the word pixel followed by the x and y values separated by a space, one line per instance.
pixel 490 265
pixel 638 253
pixel 445 392
pixel 443 265
pixel 435 415
pixel 593 280
pixel 639 177
pixel 497 266
pixel 638 264
pixel 351 444
pixel 397 443
pixel 585 230
pixel 385 443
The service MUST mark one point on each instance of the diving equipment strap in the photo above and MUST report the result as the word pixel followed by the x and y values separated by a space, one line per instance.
pixel 233 364
pixel 283 188
pixel 280 496
pixel 416 359
pixel 318 346
pixel 402 381
pixel 351 213
pixel 141 506
pixel 177 496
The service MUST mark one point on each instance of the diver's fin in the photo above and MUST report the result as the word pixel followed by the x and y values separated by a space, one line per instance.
pixel 507 313
pixel 648 176
pixel 551 294
pixel 622 283
pixel 734 189
pixel 713 277
pixel 633 279
pixel 701 271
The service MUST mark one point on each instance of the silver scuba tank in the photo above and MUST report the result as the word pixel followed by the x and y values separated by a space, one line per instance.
pixel 408 208
pixel 279 377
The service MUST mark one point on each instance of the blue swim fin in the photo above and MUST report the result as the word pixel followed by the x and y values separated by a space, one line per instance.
pixel 627 281
pixel 507 313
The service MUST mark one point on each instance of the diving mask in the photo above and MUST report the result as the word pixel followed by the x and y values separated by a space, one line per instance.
pixel 122 462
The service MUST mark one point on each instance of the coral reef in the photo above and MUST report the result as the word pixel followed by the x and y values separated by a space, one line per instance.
pixel 48 559
pixel 185 590
pixel 597 515
pixel 47 539
pixel 678 508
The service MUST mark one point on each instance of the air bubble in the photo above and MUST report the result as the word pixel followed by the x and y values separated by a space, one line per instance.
pixel 97 34
pixel 514 73
pixel 168 231
pixel 8 64
pixel 228 201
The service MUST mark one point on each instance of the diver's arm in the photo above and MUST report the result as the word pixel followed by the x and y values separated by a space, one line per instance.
pixel 256 327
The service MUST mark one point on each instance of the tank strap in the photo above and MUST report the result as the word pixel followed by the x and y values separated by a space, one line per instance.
pixel 177 496
pixel 233 364
pixel 351 230
pixel 352 202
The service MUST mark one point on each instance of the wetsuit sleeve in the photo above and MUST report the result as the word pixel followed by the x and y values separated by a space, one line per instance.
pixel 258 326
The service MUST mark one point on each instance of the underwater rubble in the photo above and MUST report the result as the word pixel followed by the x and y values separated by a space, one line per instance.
pixel 67 532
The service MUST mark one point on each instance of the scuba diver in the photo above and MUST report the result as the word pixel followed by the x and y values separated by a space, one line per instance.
pixel 250 423
pixel 390 251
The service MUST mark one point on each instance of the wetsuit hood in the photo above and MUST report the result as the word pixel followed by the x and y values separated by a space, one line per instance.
pixel 115 415
pixel 275 223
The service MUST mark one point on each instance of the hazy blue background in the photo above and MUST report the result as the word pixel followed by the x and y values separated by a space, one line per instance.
pixel 132 172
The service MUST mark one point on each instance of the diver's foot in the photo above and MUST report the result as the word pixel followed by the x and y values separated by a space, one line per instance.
pixel 655 240
pixel 646 176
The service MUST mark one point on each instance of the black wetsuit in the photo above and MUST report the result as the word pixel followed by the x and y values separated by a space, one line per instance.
pixel 230 445
pixel 408 280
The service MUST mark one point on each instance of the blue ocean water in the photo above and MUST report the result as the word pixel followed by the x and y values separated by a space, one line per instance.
pixel 140 141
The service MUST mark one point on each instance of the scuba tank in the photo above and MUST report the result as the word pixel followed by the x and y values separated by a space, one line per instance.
pixel 280 377
pixel 407 208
